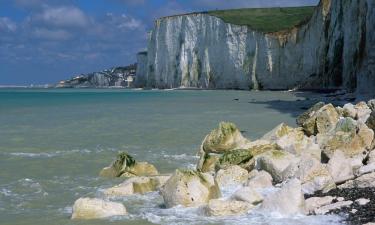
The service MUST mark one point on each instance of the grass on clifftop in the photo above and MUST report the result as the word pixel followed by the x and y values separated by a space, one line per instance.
pixel 267 19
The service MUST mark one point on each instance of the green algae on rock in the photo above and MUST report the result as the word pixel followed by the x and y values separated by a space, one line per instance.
pixel 225 138
pixel 126 166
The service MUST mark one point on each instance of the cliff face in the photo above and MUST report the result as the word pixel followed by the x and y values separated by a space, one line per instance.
pixel 141 79
pixel 335 49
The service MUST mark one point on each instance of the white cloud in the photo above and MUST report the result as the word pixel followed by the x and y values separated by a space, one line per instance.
pixel 129 22
pixel 7 24
pixel 63 16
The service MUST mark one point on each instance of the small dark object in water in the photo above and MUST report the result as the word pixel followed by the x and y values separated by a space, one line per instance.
pixel 236 99
pixel 304 108
pixel 243 131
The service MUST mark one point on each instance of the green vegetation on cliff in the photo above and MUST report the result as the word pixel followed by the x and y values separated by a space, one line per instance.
pixel 267 19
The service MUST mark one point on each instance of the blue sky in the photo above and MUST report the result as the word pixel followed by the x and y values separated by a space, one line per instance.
pixel 44 41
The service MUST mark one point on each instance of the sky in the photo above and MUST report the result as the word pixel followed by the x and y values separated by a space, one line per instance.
pixel 44 41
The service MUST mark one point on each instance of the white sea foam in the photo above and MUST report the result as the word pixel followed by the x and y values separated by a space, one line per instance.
pixel 52 154
pixel 5 192
pixel 66 210
pixel 150 207
pixel 180 156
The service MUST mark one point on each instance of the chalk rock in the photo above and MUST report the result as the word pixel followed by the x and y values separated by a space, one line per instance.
pixel 245 157
pixel 319 121
pixel 109 171
pixel 327 208
pixel 369 168
pixel 231 176
pixel 189 188
pixel 314 176
pixel 362 201
pixel 351 137
pixel 340 167
pixel 293 140
pixel 340 111
pixel 259 179
pixel 137 185
pixel 304 117
pixel 289 200
pixel 281 165
pixel 92 208
pixel 364 181
pixel 311 204
pixel 248 194
pixel 217 207
pixel 371 157
pixel 361 111
pixel 126 166
pixel 143 169
pixel 278 132
pixel 226 137
pixel 350 111
pixel 207 162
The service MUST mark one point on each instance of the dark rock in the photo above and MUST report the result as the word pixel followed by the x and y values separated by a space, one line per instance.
pixel 364 213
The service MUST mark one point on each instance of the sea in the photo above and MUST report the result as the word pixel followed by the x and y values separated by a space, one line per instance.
pixel 54 142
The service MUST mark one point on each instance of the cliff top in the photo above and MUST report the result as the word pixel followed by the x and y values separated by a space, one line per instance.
pixel 267 19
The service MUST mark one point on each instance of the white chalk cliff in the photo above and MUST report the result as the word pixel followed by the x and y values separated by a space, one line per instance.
pixel 335 49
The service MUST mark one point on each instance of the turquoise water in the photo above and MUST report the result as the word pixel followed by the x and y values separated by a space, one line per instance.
pixel 53 144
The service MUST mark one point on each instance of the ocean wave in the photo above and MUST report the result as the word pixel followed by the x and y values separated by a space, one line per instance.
pixel 54 154
pixel 180 156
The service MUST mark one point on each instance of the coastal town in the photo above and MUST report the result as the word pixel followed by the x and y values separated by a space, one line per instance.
pixel 116 77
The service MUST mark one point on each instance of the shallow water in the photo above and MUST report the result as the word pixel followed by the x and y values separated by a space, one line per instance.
pixel 53 144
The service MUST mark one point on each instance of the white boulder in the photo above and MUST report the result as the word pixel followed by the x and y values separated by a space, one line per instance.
pixel 293 140
pixel 231 176
pixel 189 188
pixel 340 167
pixel 314 176
pixel 311 204
pixel 281 165
pixel 137 185
pixel 92 208
pixel 217 207
pixel 248 194
pixel 327 208
pixel 364 181
pixel 289 200
pixel 259 179
pixel 226 137
pixel 351 137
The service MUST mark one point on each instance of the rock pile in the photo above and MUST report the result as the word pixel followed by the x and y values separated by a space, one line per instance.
pixel 311 169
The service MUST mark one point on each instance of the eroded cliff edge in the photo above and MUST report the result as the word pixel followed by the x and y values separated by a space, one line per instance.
pixel 335 49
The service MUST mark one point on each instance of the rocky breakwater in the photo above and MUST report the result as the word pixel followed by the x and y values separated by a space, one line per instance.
pixel 324 166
